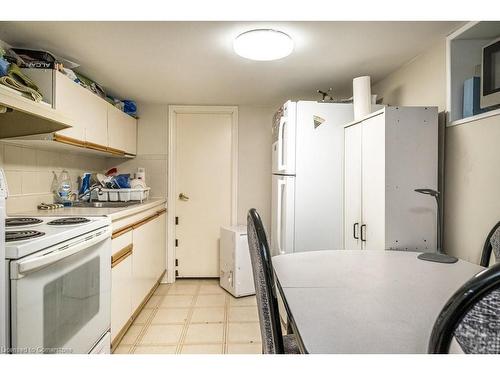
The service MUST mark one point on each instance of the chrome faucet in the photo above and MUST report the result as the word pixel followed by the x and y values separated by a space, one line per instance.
pixel 89 192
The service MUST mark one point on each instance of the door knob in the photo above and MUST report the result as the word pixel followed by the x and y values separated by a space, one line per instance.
pixel 183 197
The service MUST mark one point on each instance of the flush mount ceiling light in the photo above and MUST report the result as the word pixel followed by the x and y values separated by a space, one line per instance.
pixel 263 45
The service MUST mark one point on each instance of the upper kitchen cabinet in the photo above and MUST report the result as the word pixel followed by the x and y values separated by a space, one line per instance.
pixel 122 131
pixel 96 125
pixel 87 110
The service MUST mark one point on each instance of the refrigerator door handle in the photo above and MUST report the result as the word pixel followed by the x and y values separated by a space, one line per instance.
pixel 281 144
pixel 279 224
pixel 354 231
pixel 363 233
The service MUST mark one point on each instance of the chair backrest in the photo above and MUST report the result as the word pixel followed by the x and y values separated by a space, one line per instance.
pixel 265 290
pixel 472 316
pixel 491 245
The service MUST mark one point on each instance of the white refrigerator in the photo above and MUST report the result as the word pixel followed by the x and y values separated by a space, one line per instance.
pixel 307 182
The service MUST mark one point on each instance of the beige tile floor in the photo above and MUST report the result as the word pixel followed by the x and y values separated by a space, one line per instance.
pixel 194 316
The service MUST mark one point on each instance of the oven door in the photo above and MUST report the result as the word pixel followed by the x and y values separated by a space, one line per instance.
pixel 61 296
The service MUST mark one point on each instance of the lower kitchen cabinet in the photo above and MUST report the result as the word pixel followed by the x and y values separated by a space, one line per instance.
pixel 146 249
pixel 162 240
pixel 121 298
pixel 138 263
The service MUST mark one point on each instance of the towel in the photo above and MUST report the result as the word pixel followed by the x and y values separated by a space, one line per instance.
pixel 17 80
pixel 27 91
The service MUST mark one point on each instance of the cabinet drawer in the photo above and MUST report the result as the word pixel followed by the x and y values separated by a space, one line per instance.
pixel 122 241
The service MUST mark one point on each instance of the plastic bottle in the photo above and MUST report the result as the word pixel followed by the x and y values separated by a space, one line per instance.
pixel 64 190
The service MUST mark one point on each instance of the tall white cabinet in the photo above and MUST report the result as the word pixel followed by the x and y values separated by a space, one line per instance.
pixel 389 154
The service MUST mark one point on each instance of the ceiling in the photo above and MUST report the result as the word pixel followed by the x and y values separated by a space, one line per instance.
pixel 193 62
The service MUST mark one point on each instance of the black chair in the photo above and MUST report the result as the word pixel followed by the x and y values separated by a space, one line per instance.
pixel 273 341
pixel 492 244
pixel 472 316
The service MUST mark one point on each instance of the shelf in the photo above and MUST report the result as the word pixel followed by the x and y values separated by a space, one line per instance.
pixel 463 60
pixel 480 116
pixel 27 117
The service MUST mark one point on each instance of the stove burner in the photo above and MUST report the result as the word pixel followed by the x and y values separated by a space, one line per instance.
pixel 20 235
pixel 21 221
pixel 69 221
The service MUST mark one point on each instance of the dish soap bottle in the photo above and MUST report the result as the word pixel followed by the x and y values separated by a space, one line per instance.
pixel 64 191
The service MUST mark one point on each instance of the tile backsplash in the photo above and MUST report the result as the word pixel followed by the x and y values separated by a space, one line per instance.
pixel 29 173
pixel 155 166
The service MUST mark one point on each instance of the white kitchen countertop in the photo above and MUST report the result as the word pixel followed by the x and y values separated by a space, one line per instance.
pixel 113 213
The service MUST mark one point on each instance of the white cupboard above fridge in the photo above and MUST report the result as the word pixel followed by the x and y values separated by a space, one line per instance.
pixel 388 155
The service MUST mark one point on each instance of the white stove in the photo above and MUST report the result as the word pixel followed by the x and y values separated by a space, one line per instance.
pixel 25 236
pixel 59 281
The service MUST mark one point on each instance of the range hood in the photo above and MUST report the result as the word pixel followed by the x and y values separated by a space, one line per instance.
pixel 20 116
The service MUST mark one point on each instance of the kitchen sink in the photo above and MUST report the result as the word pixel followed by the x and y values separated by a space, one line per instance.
pixel 105 204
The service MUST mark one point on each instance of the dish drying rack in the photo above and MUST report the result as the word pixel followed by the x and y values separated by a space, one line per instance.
pixel 120 195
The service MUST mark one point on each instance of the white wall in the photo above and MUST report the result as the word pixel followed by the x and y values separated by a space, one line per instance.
pixel 420 82
pixel 29 173
pixel 471 154
pixel 254 155
pixel 254 159
pixel 151 148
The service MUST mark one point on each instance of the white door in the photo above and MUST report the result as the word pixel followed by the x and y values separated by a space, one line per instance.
pixel 203 188
pixel 373 183
pixel 352 187
pixel 283 214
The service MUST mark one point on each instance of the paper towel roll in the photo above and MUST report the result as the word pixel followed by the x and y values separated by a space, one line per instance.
pixel 362 96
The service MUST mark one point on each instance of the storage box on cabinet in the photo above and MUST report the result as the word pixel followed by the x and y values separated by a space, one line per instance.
pixel 388 155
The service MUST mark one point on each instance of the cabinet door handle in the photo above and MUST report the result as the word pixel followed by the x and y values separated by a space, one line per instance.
pixel 363 233
pixel 354 231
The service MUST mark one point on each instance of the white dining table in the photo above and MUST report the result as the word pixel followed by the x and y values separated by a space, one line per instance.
pixel 361 301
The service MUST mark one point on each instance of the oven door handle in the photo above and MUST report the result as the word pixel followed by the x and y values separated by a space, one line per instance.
pixel 34 264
